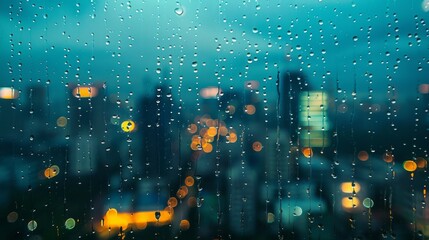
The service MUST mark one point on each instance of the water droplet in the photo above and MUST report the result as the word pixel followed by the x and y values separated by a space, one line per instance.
pixel 157 215
pixel 179 11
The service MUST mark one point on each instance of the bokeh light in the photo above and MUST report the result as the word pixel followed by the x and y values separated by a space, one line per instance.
pixel 12 217
pixel 388 157
pixel 350 187
pixel 271 217
pixel 51 171
pixel 230 109
pixel 209 92
pixel 257 146
pixel 350 202
pixel 212 131
pixel 192 128
pixel 192 201
pixel 307 152
pixel 189 181
pixel 208 148
pixel 172 202
pixel 184 225
pixel 8 93
pixel 223 131
pixel 425 5
pixel 182 192
pixel 62 121
pixel 232 137
pixel 421 162
pixel 32 225
pixel 297 211
pixel 141 225
pixel 250 109
pixel 410 166
pixel 368 203
pixel 363 155
pixel 113 219
pixel 128 126
pixel 85 92
pixel 70 223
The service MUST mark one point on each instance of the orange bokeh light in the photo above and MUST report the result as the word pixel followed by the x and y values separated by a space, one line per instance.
pixel 212 131
pixel 250 109
pixel 410 165
pixel 363 155
pixel 421 162
pixel 172 202
pixel 182 192
pixel 307 152
pixel 388 157
pixel 232 137
pixel 208 148
pixel 192 128
pixel 85 92
pixel 257 146
pixel 189 181
pixel 184 225
pixel 113 219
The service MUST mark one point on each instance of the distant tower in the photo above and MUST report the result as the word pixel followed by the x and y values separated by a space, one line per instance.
pixel 243 205
pixel 292 84
pixel 87 125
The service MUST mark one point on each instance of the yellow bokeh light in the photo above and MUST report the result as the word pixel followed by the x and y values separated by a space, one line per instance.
pixel 348 187
pixel 85 92
pixel 61 121
pixel 410 165
pixel 189 181
pixel 128 126
pixel 257 146
pixel 8 93
pixel 350 202
pixel 184 225
pixel 307 152
pixel 113 219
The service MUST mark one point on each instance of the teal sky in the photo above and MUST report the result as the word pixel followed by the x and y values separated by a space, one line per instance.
pixel 134 45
